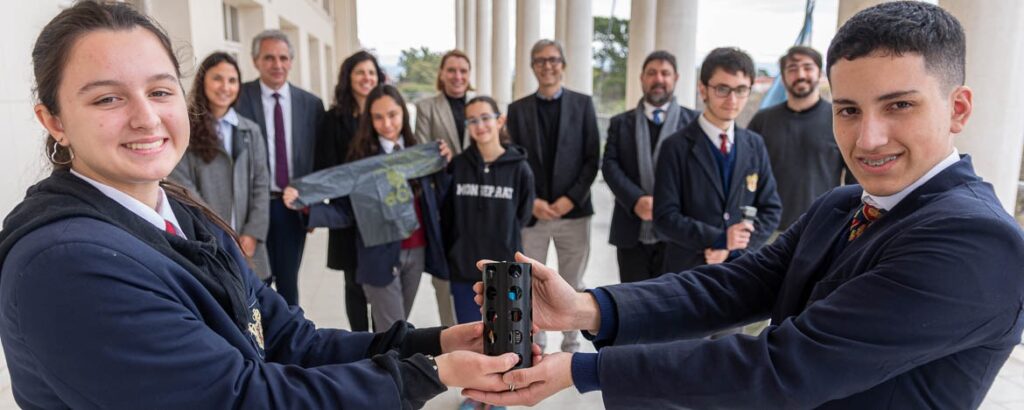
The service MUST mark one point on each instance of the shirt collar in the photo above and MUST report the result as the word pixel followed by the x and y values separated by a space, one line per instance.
pixel 285 91
pixel 649 110
pixel 155 217
pixel 558 94
pixel 231 117
pixel 389 146
pixel 889 202
pixel 712 131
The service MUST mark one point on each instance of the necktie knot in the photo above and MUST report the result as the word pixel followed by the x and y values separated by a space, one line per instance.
pixel 276 96
pixel 865 216
pixel 169 227
pixel 724 147
pixel 659 116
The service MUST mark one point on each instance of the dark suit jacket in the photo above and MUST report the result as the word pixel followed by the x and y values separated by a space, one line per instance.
pixel 692 213
pixel 622 173
pixel 307 110
pixel 578 156
pixel 336 133
pixel 919 312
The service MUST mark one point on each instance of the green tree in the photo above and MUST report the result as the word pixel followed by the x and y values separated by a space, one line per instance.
pixel 611 38
pixel 419 72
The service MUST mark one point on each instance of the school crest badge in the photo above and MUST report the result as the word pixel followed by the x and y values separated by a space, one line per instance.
pixel 752 182
pixel 256 327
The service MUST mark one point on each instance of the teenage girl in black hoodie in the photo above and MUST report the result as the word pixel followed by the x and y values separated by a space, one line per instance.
pixel 489 200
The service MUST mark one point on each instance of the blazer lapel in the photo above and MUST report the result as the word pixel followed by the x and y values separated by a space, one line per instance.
pixel 297 133
pixel 743 148
pixel 255 102
pixel 448 122
pixel 700 153
pixel 566 114
pixel 532 128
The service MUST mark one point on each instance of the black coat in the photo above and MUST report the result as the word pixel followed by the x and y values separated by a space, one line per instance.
pixel 622 173
pixel 485 209
pixel 690 210
pixel 337 131
pixel 578 156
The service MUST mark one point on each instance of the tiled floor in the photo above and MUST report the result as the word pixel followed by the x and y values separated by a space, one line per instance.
pixel 321 295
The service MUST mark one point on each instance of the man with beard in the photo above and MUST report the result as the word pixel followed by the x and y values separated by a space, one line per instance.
pixel 634 141
pixel 798 135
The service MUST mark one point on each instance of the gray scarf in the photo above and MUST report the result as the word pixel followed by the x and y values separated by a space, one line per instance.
pixel 646 162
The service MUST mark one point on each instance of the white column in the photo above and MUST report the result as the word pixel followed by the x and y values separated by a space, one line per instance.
pixel 527 33
pixel 579 36
pixel 483 47
pixel 677 33
pixel 470 40
pixel 501 60
pixel 346 33
pixel 642 18
pixel 847 8
pixel 460 24
pixel 561 20
pixel 995 132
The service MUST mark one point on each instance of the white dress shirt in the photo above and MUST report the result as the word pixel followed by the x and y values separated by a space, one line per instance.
pixel 156 217
pixel 389 146
pixel 267 95
pixel 226 129
pixel 889 202
pixel 649 111
pixel 715 134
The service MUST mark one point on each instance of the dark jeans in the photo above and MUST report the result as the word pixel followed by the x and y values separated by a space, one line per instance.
pixel 286 239
pixel 640 262
pixel 466 310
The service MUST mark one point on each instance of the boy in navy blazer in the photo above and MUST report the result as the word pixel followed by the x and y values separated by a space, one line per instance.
pixel 711 169
pixel 903 292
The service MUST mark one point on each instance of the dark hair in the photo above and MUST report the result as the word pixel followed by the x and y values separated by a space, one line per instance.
pixel 50 58
pixel 344 101
pixel 365 143
pixel 503 136
pixel 440 69
pixel 204 140
pixel 661 55
pixel 543 43
pixel 799 50
pixel 730 59
pixel 903 27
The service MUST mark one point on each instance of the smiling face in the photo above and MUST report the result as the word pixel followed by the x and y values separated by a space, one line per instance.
pixel 658 81
pixel 547 66
pixel 273 62
pixel 363 79
pixel 801 76
pixel 387 117
pixel 221 86
pixel 455 76
pixel 483 123
pixel 724 109
pixel 122 110
pixel 893 119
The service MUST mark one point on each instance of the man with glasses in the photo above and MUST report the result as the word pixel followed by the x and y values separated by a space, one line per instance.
pixel 798 135
pixel 630 155
pixel 558 128
pixel 711 173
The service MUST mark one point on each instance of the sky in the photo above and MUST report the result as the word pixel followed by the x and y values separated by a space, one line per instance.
pixel 763 28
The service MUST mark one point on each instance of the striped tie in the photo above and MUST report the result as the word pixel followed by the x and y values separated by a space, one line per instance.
pixel 863 219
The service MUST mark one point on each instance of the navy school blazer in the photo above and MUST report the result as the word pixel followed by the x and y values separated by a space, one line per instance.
pixel 691 211
pixel 921 311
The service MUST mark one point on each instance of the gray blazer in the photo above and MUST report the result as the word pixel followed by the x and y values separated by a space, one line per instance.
pixel 238 182
pixel 307 110
pixel 434 122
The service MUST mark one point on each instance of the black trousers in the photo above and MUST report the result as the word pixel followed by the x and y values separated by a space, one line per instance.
pixel 640 262
pixel 355 303
pixel 286 239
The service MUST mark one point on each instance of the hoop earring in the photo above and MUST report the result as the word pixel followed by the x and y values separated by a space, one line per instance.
pixel 53 154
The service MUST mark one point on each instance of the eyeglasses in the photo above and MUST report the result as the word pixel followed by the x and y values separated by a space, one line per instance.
pixel 723 91
pixel 552 61
pixel 481 119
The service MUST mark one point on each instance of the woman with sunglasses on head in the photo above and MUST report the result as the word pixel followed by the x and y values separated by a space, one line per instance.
pixel 121 290
pixel 226 161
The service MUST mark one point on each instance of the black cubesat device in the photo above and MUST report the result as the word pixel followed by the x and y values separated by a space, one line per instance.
pixel 508 312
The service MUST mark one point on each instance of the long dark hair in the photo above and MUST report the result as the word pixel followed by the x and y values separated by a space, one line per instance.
pixel 344 101
pixel 503 136
pixel 365 143
pixel 49 59
pixel 204 140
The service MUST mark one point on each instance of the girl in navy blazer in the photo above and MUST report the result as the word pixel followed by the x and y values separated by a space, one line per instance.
pixel 118 290
pixel 390 273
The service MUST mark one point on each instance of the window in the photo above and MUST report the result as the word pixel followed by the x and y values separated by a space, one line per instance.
pixel 231 23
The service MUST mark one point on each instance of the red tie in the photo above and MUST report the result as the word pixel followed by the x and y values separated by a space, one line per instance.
pixel 169 227
pixel 725 144
pixel 863 219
